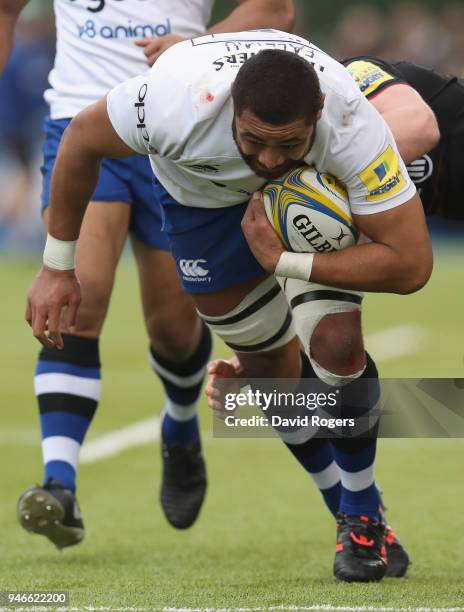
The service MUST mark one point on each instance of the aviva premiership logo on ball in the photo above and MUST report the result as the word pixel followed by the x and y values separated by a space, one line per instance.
pixel 310 211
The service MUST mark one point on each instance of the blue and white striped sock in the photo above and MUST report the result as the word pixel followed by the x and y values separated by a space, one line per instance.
pixel 355 456
pixel 359 495
pixel 182 383
pixel 316 457
pixel 68 386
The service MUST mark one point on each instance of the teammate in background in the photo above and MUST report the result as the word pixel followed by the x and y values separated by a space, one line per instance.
pixel 99 44
pixel 180 115
pixel 428 128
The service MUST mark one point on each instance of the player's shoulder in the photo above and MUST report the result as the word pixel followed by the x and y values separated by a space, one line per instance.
pixel 336 81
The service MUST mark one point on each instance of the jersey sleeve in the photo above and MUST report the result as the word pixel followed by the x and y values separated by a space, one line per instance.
pixel 128 107
pixel 366 159
pixel 370 76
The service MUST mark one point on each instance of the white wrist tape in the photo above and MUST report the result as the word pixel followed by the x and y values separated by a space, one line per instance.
pixel 295 265
pixel 59 254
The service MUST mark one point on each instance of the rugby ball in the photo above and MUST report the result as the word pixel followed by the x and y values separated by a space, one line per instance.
pixel 310 211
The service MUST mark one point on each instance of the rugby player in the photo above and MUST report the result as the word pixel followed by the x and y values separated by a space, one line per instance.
pixel 429 132
pixel 424 110
pixel 218 116
pixel 99 44
pixel 428 128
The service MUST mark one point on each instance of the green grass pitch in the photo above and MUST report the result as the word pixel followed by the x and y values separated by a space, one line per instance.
pixel 264 537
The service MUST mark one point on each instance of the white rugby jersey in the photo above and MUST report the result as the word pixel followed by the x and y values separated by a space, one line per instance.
pixel 95 44
pixel 180 113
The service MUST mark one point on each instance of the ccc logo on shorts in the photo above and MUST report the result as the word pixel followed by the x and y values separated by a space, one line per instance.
pixel 193 267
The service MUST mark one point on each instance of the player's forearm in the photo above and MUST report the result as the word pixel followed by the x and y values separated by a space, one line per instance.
pixel 374 267
pixel 254 14
pixel 73 181
pixel 89 138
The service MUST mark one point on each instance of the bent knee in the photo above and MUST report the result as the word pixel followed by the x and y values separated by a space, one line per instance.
pixel 96 293
pixel 337 343
pixel 174 331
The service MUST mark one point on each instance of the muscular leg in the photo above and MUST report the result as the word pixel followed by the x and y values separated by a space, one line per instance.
pixel 282 362
pixel 337 355
pixel 179 350
pixel 99 248
pixel 314 454
pixel 337 345
pixel 328 323
pixel 180 345
pixel 171 320
pixel 67 382
pixel 286 361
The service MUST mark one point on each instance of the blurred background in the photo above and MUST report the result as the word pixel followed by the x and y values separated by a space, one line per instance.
pixel 430 32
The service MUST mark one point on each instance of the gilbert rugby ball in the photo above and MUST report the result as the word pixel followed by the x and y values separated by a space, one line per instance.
pixel 310 211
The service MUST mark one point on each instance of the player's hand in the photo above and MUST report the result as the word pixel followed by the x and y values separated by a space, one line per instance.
pixel 53 293
pixel 260 235
pixel 223 377
pixel 153 47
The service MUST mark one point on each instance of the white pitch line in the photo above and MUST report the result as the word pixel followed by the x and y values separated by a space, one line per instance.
pixel 326 608
pixel 280 608
pixel 115 442
pixel 396 342
pixel 26 437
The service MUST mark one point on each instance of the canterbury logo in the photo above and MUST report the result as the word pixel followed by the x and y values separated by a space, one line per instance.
pixel 193 267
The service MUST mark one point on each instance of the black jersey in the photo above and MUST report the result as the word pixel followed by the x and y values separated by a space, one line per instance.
pixel 438 175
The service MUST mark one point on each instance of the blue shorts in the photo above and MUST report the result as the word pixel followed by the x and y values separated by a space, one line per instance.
pixel 208 245
pixel 127 180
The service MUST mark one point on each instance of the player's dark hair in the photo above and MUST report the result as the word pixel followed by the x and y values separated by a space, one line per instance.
pixel 278 87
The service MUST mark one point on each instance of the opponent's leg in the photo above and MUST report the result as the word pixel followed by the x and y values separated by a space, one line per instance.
pixel 180 347
pixel 67 382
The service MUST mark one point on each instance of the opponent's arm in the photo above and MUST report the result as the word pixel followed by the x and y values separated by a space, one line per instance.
pixel 248 15
pixel 410 118
pixel 398 260
pixel 9 13
pixel 55 291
